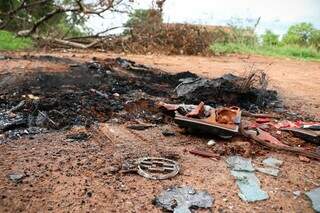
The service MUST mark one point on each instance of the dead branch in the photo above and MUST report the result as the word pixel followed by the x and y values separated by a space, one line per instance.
pixel 76 45
pixel 97 35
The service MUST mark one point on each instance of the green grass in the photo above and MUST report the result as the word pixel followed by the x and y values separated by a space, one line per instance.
pixel 292 51
pixel 8 41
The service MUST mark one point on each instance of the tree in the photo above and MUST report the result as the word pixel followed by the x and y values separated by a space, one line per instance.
pixel 30 16
pixel 270 39
pixel 299 34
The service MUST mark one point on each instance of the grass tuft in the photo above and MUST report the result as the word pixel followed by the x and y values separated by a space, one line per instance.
pixel 8 41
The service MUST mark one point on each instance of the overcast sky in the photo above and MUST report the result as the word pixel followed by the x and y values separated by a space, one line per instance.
pixel 276 15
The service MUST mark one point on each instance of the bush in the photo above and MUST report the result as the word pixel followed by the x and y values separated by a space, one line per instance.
pixel 315 39
pixel 270 39
pixel 234 34
pixel 301 41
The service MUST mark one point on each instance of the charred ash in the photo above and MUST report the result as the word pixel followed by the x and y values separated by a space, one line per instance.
pixel 116 89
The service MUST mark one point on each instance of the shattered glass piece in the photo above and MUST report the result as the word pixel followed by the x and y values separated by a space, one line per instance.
pixel 248 183
pixel 272 162
pixel 269 171
pixel 249 186
pixel 314 196
pixel 181 199
pixel 238 163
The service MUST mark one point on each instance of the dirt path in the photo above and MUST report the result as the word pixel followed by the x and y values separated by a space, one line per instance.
pixel 63 176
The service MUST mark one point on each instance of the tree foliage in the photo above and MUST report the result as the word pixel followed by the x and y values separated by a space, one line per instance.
pixel 59 17
pixel 299 34
pixel 19 19
pixel 270 39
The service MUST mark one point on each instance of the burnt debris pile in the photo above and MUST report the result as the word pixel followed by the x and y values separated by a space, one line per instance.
pixel 229 90
pixel 116 89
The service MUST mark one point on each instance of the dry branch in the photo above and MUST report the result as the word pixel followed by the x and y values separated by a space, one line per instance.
pixel 74 44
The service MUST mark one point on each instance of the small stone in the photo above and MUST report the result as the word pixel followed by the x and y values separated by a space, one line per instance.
pixel 113 169
pixel 297 193
pixel 304 159
pixel 225 199
pixel 116 94
pixel 16 176
pixel 168 133
pixel 211 143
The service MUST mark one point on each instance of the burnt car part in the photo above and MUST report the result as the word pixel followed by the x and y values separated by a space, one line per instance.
pixel 223 122
pixel 157 168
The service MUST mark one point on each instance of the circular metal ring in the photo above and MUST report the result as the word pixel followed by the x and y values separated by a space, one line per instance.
pixel 157 168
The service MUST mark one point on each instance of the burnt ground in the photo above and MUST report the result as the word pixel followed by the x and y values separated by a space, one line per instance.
pixel 61 175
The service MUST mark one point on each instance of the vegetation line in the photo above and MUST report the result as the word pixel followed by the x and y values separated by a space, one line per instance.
pixel 301 41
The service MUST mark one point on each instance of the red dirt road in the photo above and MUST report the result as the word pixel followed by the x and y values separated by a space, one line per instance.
pixel 83 176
